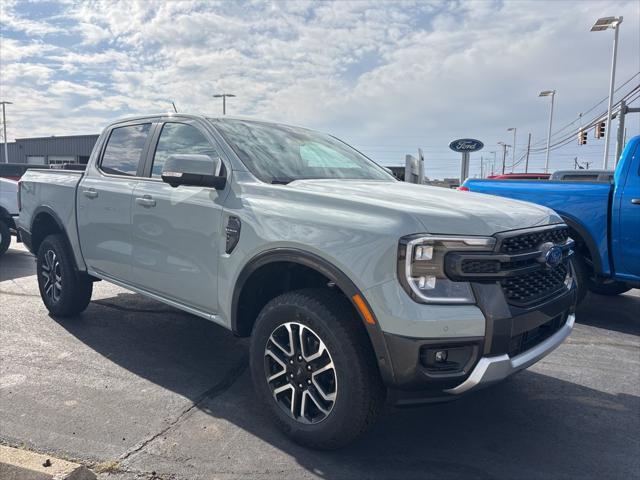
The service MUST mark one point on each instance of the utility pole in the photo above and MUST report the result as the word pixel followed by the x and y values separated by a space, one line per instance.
pixel 552 94
pixel 504 154
pixel 4 125
pixel 513 150
pixel 493 164
pixel 526 162
pixel 224 97
pixel 481 165
pixel 600 25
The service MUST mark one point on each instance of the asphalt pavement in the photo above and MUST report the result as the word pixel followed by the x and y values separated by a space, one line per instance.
pixel 136 389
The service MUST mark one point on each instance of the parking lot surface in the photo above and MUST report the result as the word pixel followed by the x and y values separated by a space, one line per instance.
pixel 140 390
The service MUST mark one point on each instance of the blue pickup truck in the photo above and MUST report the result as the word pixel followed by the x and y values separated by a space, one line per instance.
pixel 604 219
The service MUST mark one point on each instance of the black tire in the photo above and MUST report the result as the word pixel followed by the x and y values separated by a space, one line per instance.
pixel 358 389
pixel 582 276
pixel 611 288
pixel 5 237
pixel 72 293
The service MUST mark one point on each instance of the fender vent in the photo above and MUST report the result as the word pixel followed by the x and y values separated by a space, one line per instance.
pixel 233 233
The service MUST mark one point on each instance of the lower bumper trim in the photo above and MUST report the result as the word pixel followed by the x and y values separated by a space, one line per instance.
pixel 493 369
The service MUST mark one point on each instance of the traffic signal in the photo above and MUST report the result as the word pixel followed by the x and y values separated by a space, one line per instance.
pixel 600 130
pixel 582 137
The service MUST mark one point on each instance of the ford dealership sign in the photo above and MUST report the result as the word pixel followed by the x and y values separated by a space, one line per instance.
pixel 466 145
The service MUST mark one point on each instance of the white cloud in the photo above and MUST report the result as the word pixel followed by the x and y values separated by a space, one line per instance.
pixel 388 76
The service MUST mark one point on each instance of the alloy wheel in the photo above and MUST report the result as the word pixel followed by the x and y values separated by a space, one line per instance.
pixel 52 276
pixel 300 373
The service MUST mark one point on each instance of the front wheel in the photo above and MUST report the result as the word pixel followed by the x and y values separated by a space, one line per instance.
pixel 610 288
pixel 312 365
pixel 64 291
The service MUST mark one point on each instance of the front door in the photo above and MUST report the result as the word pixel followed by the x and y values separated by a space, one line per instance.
pixel 177 231
pixel 104 202
pixel 629 215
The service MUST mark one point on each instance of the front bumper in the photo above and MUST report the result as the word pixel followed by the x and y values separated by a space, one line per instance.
pixel 490 370
pixel 513 339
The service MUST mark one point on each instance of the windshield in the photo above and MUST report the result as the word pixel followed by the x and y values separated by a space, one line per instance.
pixel 281 154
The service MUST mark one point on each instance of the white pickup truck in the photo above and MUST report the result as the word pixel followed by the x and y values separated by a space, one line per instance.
pixel 354 287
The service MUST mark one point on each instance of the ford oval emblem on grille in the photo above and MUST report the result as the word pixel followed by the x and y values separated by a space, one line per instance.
pixel 553 257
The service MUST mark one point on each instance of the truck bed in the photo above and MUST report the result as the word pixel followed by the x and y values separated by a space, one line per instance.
pixel 53 191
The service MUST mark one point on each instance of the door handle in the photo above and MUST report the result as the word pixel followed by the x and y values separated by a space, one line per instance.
pixel 146 201
pixel 90 193
pixel 635 201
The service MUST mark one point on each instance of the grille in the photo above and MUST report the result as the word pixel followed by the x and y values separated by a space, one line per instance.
pixel 533 286
pixel 529 339
pixel 529 242
pixel 480 266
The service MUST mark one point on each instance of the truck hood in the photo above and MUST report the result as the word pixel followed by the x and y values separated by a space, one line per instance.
pixel 439 210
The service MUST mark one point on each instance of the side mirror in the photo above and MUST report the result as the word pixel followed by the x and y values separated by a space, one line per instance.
pixel 194 170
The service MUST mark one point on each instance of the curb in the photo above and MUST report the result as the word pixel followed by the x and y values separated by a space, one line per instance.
pixel 16 464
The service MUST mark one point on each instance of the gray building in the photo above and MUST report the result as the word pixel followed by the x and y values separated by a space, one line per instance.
pixel 50 150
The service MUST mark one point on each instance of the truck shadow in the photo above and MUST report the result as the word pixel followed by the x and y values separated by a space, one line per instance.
pixel 16 263
pixel 619 312
pixel 532 426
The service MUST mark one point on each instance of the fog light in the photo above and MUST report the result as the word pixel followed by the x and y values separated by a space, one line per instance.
pixel 427 283
pixel 441 356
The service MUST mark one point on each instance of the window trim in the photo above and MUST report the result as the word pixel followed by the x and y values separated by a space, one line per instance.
pixel 153 146
pixel 141 161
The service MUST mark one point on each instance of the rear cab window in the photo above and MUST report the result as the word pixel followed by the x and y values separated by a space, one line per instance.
pixel 123 152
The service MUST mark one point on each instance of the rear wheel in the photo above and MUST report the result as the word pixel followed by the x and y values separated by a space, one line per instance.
pixel 5 237
pixel 64 291
pixel 313 366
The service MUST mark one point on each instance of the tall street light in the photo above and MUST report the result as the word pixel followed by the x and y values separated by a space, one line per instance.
pixel 513 150
pixel 552 94
pixel 4 125
pixel 600 25
pixel 224 97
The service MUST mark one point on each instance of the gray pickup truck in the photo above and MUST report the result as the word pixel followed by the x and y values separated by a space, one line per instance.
pixel 355 288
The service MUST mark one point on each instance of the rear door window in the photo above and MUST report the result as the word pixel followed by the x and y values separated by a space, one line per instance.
pixel 123 152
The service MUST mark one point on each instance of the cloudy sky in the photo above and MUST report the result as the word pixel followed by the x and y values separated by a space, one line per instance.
pixel 387 77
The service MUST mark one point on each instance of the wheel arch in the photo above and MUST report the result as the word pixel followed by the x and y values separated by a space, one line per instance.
pixel 47 222
pixel 586 239
pixel 241 324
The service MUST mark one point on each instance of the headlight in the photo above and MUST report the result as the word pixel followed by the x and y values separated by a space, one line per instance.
pixel 421 267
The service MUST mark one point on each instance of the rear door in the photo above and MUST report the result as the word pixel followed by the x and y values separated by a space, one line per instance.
pixel 104 201
pixel 177 231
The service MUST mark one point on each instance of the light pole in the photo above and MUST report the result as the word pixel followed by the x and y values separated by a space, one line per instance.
pixel 504 154
pixel 493 164
pixel 4 125
pixel 513 150
pixel 224 97
pixel 552 94
pixel 600 25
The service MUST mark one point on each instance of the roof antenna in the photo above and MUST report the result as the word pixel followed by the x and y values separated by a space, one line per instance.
pixel 174 107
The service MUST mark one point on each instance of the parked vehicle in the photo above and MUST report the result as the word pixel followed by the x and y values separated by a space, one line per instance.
pixel 8 212
pixel 354 287
pixel 603 217
pixel 583 175
pixel 521 176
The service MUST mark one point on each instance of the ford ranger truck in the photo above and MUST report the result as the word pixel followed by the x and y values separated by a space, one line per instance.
pixel 603 218
pixel 355 288
pixel 8 212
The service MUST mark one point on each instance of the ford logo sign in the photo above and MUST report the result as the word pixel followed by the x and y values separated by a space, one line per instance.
pixel 466 145
pixel 553 257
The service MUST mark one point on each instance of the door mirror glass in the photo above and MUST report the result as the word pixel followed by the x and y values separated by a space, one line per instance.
pixel 194 170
